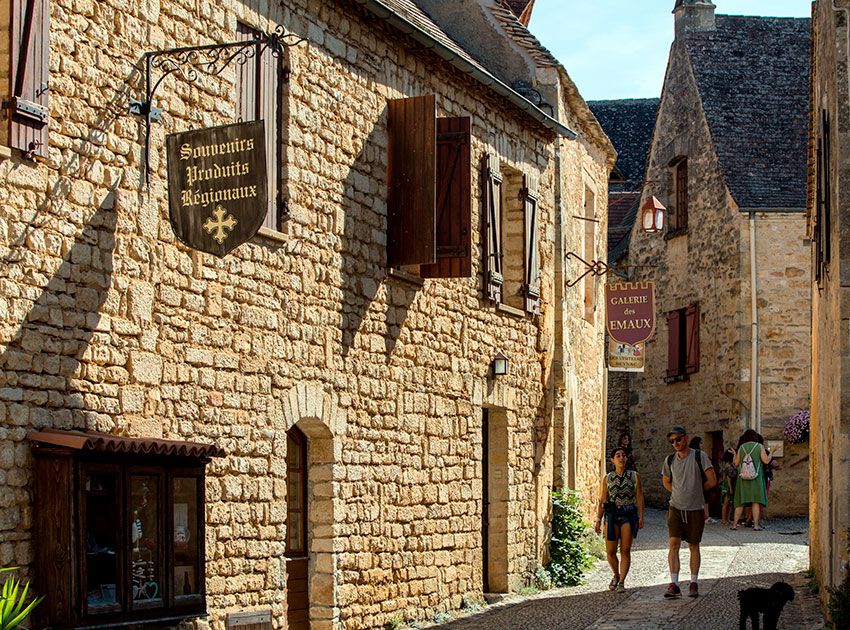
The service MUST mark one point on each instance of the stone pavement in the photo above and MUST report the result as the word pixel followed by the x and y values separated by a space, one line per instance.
pixel 731 560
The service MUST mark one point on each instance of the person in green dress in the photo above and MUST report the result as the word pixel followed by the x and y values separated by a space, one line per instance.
pixel 750 486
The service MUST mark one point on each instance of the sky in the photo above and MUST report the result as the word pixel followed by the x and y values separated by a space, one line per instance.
pixel 618 48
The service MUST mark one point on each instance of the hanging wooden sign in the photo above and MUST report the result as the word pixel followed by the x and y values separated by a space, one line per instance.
pixel 630 311
pixel 217 185
pixel 624 357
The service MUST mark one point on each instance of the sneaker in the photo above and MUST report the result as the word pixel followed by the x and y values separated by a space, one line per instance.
pixel 710 520
pixel 672 591
pixel 693 590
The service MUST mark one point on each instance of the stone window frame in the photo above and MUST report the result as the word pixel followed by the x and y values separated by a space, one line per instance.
pixel 683 339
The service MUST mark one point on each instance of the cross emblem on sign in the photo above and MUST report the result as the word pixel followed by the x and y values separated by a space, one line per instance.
pixel 220 225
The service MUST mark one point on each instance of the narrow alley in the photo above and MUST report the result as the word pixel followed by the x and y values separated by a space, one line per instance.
pixel 732 560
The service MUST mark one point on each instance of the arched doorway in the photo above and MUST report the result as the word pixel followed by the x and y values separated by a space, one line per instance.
pixel 297 553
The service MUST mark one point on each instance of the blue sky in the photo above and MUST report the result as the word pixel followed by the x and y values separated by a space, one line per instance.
pixel 618 48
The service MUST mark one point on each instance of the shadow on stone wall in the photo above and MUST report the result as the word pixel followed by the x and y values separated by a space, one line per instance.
pixel 364 252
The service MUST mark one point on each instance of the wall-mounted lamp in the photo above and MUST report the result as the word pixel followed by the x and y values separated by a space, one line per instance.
pixel 652 216
pixel 499 366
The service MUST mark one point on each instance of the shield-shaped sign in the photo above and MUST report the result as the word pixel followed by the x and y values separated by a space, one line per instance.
pixel 217 185
pixel 630 311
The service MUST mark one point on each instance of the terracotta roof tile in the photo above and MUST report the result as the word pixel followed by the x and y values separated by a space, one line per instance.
pixel 107 443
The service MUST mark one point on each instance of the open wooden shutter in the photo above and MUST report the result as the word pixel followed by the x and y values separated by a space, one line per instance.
pixel 531 249
pixel 493 278
pixel 29 106
pixel 674 323
pixel 411 194
pixel 692 337
pixel 258 98
pixel 454 201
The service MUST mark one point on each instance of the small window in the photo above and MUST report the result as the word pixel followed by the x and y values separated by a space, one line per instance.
pixel 682 343
pixel 520 256
pixel 138 541
pixel 678 218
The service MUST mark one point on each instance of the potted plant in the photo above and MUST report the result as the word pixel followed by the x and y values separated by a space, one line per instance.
pixel 12 609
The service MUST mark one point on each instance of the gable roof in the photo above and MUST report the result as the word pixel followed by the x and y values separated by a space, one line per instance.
pixel 753 78
pixel 629 124
pixel 408 18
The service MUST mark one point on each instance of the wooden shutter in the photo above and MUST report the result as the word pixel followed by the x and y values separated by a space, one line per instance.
pixel 30 51
pixel 454 201
pixel 258 96
pixel 531 258
pixel 826 196
pixel 674 322
pixel 692 337
pixel 493 278
pixel 817 231
pixel 411 193
pixel 682 194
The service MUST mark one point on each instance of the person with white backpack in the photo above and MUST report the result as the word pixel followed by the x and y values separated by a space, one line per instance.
pixel 750 459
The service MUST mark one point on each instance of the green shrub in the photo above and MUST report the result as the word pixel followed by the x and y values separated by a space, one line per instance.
pixel 569 547
pixel 839 602
pixel 12 609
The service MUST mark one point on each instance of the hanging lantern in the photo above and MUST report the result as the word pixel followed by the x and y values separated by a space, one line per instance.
pixel 652 216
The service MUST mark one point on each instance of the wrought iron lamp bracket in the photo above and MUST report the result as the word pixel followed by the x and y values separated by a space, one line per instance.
pixel 192 62
pixel 594 268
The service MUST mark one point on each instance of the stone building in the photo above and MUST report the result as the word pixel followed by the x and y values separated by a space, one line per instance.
pixel 732 341
pixel 829 158
pixel 307 431
pixel 629 124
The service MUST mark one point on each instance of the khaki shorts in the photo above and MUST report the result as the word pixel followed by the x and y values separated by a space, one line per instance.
pixel 686 524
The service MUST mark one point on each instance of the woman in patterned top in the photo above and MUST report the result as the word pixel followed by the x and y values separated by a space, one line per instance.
pixel 622 504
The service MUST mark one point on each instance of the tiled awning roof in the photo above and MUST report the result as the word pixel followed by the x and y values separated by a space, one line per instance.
pixel 92 441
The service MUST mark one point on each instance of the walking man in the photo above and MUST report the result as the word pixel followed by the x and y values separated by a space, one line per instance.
pixel 686 474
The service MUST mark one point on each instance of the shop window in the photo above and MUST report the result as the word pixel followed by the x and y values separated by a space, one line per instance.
pixel 429 212
pixel 259 84
pixel 138 542
pixel 682 343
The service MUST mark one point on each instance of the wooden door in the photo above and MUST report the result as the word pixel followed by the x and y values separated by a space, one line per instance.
pixel 485 501
pixel 297 557
pixel 714 499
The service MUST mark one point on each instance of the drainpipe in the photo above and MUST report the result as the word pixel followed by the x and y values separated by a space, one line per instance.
pixel 755 379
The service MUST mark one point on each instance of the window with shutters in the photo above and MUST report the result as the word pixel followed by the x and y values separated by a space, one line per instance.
pixel 682 343
pixel 591 281
pixel 429 211
pixel 678 215
pixel 822 231
pixel 27 93
pixel 259 96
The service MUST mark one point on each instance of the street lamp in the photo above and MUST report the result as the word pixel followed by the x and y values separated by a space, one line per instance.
pixel 652 216
pixel 499 366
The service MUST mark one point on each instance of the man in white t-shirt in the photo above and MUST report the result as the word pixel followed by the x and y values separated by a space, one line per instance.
pixel 686 474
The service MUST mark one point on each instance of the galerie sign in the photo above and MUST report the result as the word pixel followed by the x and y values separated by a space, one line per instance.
pixel 630 311
pixel 624 357
pixel 217 185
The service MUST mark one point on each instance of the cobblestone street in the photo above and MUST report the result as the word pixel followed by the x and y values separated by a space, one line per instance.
pixel 731 560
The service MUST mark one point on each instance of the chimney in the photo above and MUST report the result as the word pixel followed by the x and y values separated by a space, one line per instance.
pixel 693 15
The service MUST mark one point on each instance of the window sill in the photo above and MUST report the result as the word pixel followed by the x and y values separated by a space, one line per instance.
pixel 677 378
pixel 273 235
pixel 158 622
pixel 674 233
pixel 510 310
pixel 409 278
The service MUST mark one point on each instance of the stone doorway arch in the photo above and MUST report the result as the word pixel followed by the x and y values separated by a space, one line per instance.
pixel 315 412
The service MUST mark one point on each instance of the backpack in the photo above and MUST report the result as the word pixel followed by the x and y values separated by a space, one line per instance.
pixel 697 460
pixel 748 467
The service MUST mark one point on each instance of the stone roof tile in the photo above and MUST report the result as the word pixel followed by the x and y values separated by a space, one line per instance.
pixel 753 79
pixel 629 124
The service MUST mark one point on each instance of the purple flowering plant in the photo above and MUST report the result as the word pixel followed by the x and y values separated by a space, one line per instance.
pixel 797 427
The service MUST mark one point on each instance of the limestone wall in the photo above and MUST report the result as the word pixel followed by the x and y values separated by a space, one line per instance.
pixel 109 323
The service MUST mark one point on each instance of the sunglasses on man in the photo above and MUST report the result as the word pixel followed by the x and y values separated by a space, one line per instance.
pixel 676 440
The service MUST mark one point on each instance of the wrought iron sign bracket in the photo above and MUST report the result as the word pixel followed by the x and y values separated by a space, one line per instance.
pixel 594 268
pixel 191 62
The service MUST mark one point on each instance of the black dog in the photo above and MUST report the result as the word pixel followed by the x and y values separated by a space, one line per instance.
pixel 769 601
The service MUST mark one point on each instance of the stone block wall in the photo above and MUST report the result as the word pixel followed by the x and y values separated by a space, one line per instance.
pixel 108 323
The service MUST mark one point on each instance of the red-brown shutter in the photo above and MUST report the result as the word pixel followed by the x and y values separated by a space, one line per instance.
pixel 493 278
pixel 692 337
pixel 531 248
pixel 674 322
pixel 411 193
pixel 682 194
pixel 30 107
pixel 258 91
pixel 454 201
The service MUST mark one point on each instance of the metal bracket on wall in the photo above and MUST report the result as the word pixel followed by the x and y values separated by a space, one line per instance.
pixel 191 62
pixel 594 268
